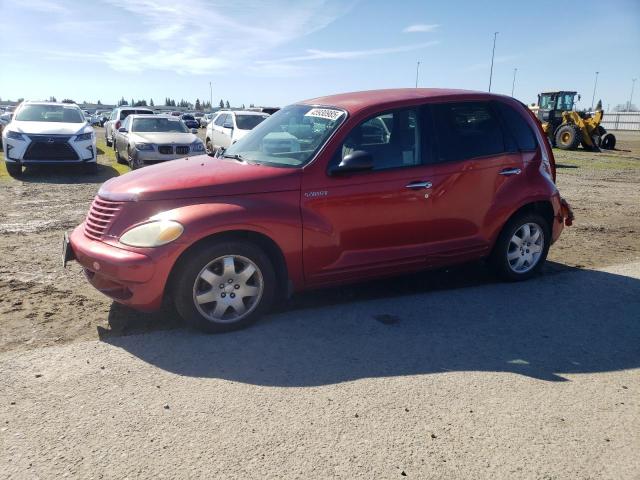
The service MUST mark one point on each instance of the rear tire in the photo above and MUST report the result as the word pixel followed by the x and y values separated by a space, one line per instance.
pixel 209 148
pixel 568 137
pixel 194 296
pixel 14 169
pixel 107 141
pixel 608 141
pixel 522 247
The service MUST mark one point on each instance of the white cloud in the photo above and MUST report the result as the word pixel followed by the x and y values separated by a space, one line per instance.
pixel 45 6
pixel 197 36
pixel 420 28
pixel 349 54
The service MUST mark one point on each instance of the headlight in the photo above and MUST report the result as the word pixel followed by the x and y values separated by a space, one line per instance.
pixel 152 234
pixel 197 147
pixel 144 146
pixel 14 135
pixel 83 137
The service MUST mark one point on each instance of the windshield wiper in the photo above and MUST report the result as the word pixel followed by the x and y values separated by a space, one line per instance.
pixel 234 156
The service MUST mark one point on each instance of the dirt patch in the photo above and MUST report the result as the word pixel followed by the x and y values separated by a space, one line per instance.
pixel 42 304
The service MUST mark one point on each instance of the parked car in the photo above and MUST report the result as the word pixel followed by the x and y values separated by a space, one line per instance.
pixel 103 118
pixel 228 127
pixel 190 121
pixel 176 114
pixel 115 120
pixel 198 115
pixel 48 133
pixel 5 119
pixel 205 119
pixel 327 191
pixel 143 140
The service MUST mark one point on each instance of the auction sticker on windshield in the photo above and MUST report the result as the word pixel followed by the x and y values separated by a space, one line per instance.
pixel 326 113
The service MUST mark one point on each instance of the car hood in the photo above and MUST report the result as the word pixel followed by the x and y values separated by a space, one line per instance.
pixel 50 128
pixel 199 176
pixel 162 138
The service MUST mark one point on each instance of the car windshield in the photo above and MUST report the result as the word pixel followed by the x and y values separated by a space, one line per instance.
pixel 158 124
pixel 50 113
pixel 290 138
pixel 248 122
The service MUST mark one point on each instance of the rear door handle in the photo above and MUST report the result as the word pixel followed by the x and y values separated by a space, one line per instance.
pixel 418 185
pixel 507 172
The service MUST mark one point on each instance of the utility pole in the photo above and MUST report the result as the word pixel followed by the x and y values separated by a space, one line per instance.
pixel 513 85
pixel 417 71
pixel 633 84
pixel 595 84
pixel 493 53
pixel 210 97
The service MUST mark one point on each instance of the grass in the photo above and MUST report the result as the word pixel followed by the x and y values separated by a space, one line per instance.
pixel 597 161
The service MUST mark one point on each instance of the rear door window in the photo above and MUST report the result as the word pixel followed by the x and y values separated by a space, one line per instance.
pixel 220 120
pixel 466 130
pixel 125 113
pixel 517 127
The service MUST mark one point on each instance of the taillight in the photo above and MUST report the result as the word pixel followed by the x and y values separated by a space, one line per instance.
pixel 118 125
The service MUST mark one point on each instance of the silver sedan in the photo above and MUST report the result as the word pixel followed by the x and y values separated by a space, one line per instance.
pixel 145 139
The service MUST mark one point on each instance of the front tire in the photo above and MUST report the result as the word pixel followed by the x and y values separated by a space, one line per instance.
pixel 568 137
pixel 223 286
pixel 14 169
pixel 119 158
pixel 107 141
pixel 608 141
pixel 522 247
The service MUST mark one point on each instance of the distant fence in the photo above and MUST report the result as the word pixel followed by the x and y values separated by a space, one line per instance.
pixel 621 120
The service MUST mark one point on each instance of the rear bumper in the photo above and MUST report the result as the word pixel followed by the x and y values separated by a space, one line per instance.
pixel 563 216
pixel 127 277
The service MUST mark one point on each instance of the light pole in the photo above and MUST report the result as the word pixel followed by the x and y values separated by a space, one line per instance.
pixel 417 71
pixel 513 85
pixel 595 84
pixel 493 53
pixel 210 97
pixel 633 84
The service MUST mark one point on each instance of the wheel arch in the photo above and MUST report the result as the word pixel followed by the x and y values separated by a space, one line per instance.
pixel 267 244
pixel 541 207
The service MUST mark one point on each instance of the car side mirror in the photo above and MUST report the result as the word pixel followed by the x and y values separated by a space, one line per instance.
pixel 228 125
pixel 122 130
pixel 194 131
pixel 356 161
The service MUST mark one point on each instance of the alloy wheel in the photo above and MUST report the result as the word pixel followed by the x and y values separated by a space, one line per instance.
pixel 525 248
pixel 228 289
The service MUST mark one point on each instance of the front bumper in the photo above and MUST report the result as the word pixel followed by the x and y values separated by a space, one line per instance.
pixel 127 277
pixel 17 151
pixel 149 156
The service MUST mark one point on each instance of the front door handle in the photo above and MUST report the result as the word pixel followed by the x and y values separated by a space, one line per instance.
pixel 507 172
pixel 418 185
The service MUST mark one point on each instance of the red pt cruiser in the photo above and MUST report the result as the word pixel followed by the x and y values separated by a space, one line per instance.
pixel 328 191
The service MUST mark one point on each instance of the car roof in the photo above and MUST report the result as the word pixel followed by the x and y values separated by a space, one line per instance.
pixel 244 112
pixel 35 102
pixel 354 102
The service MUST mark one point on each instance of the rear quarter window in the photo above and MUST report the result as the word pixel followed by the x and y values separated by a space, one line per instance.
pixel 466 130
pixel 517 127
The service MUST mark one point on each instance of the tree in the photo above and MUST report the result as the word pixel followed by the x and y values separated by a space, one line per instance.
pixel 625 107
pixel 99 102
pixel 198 106
pixel 251 105
pixel 151 104
pixel 221 103
pixel 243 106
pixel 66 100
pixel 599 105
pixel 52 99
pixel 227 104
pixel 121 102
pixel 132 102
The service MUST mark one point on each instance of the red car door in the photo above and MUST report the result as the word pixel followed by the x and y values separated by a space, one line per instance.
pixel 370 222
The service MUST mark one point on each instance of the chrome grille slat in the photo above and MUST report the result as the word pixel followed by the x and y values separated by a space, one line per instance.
pixel 100 217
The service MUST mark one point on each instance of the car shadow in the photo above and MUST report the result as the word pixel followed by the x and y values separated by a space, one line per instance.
pixel 64 174
pixel 575 321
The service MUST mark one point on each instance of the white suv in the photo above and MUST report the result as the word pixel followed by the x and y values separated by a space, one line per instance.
pixel 227 127
pixel 48 133
pixel 118 114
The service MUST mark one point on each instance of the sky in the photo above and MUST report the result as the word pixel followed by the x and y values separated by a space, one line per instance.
pixel 278 52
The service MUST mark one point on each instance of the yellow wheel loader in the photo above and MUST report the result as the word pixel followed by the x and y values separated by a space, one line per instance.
pixel 567 128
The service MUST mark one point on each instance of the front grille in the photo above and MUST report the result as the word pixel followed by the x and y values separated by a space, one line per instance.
pixel 182 149
pixel 100 216
pixel 165 149
pixel 50 147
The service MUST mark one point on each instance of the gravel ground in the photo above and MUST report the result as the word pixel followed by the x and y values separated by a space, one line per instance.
pixel 538 380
